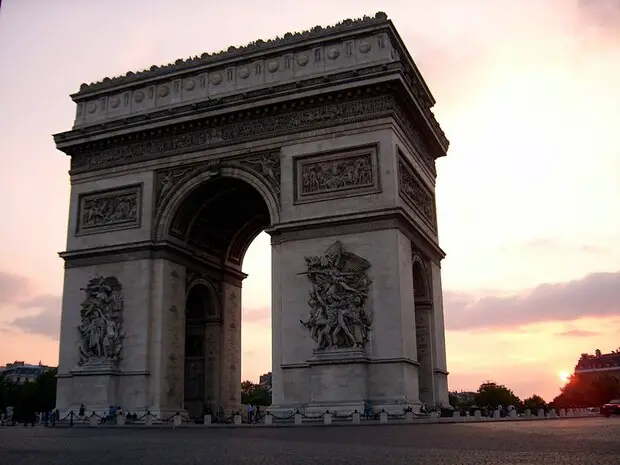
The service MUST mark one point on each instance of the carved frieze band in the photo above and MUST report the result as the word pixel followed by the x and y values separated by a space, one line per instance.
pixel 352 172
pixel 112 209
pixel 213 135
pixel 413 191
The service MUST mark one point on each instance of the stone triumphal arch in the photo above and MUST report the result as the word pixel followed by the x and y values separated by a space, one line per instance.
pixel 326 140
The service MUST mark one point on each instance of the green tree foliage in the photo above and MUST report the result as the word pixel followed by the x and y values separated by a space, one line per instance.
pixel 493 395
pixel 588 390
pixel 255 394
pixel 535 403
pixel 29 397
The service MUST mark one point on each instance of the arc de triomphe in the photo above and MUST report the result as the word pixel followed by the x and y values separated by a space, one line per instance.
pixel 326 140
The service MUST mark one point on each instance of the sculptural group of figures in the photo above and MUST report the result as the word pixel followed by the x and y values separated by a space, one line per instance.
pixel 337 174
pixel 104 210
pixel 101 321
pixel 340 285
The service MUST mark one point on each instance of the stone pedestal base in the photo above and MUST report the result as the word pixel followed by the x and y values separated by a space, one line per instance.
pixel 338 381
pixel 96 386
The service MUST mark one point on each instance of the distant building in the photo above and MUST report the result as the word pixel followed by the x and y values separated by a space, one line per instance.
pixel 20 372
pixel 265 381
pixel 464 397
pixel 599 363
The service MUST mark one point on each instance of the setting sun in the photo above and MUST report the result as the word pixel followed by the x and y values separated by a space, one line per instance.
pixel 564 376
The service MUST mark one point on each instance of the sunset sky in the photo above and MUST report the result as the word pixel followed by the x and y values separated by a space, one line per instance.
pixel 528 197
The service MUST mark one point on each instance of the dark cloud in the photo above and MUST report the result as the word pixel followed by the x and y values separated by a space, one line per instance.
pixel 256 315
pixel 13 287
pixel 46 322
pixel 577 333
pixel 595 295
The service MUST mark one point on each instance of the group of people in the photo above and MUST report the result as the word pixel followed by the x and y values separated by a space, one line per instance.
pixel 10 418
pixel 254 413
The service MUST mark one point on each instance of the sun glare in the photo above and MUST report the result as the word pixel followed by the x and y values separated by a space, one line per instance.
pixel 564 376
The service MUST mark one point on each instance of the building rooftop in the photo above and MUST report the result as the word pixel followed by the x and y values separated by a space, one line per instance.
pixel 262 46
pixel 599 362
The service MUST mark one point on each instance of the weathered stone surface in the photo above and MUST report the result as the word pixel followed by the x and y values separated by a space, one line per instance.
pixel 173 178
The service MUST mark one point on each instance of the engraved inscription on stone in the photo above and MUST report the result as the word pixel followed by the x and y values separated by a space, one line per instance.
pixel 334 175
pixel 412 190
pixel 115 209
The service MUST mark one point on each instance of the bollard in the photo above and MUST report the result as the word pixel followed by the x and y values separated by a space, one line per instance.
pixel 541 413
pixel 513 414
pixel 356 418
pixel 477 414
pixel 120 420
pixel 298 418
pixel 327 419
pixel 409 417
pixel 496 415
pixel 93 420
pixel 434 417
pixel 456 415
pixel 383 417
pixel 528 413
pixel 269 419
pixel 176 420
pixel 207 420
pixel 237 419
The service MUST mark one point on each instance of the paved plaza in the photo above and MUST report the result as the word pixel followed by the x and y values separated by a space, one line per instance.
pixel 570 441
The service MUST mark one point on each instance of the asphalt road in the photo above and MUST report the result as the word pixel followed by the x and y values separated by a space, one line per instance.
pixel 567 441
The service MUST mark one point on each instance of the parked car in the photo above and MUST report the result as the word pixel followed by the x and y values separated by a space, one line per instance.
pixel 611 408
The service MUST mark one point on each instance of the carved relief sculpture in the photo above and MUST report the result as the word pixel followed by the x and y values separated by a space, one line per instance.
pixel 340 285
pixel 101 322
pixel 336 174
pixel 268 165
pixel 114 208
pixel 412 190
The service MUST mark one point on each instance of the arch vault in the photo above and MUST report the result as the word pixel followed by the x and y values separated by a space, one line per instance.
pixel 326 140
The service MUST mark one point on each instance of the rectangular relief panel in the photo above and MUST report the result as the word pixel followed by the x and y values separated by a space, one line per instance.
pixel 109 210
pixel 337 174
pixel 415 193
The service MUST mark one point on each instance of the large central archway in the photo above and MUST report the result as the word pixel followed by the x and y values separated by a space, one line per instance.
pixel 214 219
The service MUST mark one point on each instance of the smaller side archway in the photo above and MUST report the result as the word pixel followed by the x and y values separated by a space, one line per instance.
pixel 201 311
pixel 424 328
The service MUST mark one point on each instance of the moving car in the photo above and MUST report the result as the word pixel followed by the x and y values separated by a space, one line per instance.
pixel 611 408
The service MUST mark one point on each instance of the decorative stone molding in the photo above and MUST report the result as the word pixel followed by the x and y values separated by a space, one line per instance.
pixel 110 209
pixel 169 180
pixel 413 191
pixel 336 175
pixel 214 133
pixel 340 285
pixel 233 52
pixel 101 322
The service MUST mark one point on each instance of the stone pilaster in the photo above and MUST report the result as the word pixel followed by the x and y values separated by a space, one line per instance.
pixel 167 342
pixel 438 340
pixel 230 359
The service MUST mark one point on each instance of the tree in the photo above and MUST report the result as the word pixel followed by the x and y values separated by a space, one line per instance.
pixel 588 390
pixel 535 403
pixel 493 395
pixel 255 394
